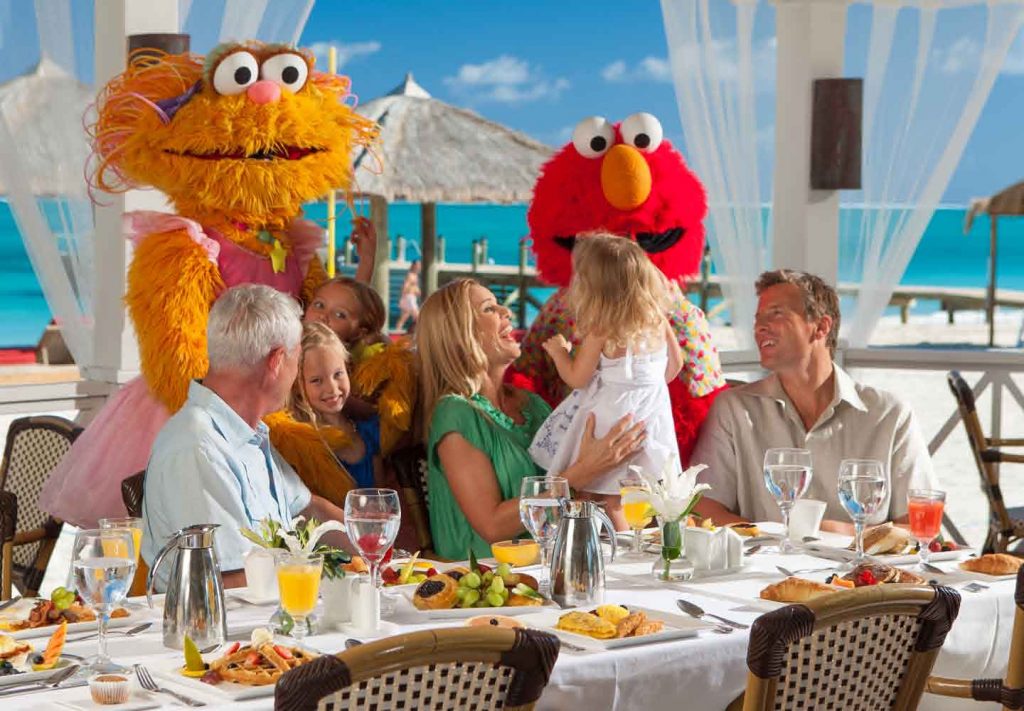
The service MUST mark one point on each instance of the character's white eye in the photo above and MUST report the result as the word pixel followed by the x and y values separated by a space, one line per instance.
pixel 235 73
pixel 593 137
pixel 643 131
pixel 287 70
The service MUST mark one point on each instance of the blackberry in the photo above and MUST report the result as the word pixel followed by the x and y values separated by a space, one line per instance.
pixel 430 587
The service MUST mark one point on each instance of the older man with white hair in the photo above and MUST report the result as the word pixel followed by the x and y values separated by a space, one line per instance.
pixel 213 462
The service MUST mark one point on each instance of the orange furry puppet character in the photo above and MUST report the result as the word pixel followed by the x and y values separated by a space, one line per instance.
pixel 238 141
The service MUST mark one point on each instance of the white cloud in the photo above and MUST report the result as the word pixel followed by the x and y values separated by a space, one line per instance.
pixel 346 52
pixel 965 54
pixel 507 80
pixel 723 56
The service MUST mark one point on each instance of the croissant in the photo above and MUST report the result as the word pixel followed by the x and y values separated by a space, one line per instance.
pixel 796 590
pixel 993 564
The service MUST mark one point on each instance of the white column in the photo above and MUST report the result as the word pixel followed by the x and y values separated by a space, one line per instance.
pixel 805 222
pixel 115 352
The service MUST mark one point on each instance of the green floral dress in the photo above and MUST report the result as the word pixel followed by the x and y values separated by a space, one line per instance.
pixel 504 442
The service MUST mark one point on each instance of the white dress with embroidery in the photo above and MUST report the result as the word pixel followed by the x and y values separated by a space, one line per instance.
pixel 630 385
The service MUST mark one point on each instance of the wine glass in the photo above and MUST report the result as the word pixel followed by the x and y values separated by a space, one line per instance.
pixel 787 474
pixel 372 517
pixel 633 492
pixel 862 491
pixel 924 509
pixel 298 580
pixel 540 512
pixel 102 565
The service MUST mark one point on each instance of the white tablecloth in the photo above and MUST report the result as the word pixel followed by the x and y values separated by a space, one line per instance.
pixel 704 672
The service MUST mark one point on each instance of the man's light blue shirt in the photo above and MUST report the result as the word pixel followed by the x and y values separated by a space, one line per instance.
pixel 209 466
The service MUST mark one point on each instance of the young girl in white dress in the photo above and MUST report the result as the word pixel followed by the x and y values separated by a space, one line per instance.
pixel 626 356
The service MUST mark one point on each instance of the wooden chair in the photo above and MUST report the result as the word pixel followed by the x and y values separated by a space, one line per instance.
pixel 859 650
pixel 1008 691
pixel 8 523
pixel 409 467
pixel 1006 526
pixel 131 493
pixel 462 668
pixel 35 445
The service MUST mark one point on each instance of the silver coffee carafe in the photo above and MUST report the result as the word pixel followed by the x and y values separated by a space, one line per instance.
pixel 194 601
pixel 577 562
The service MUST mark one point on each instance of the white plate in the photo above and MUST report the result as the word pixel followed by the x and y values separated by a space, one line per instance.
pixel 29 676
pixel 676 627
pixel 225 692
pixel 75 628
pixel 250 597
pixel 462 613
pixel 982 577
pixel 842 554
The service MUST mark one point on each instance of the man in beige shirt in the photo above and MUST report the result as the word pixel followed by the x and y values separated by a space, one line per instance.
pixel 808 402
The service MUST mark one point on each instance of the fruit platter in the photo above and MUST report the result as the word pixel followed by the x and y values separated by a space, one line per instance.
pixel 37 617
pixel 461 591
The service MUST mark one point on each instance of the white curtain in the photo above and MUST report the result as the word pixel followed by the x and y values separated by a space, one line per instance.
pixel 723 66
pixel 43 147
pixel 928 70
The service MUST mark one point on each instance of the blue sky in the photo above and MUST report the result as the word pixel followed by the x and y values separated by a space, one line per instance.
pixel 541 66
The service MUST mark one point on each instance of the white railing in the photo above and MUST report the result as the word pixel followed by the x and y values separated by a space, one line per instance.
pixel 32 398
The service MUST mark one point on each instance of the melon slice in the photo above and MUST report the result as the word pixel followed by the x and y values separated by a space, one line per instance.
pixel 54 648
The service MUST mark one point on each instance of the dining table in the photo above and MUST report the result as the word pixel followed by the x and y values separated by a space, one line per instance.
pixel 704 671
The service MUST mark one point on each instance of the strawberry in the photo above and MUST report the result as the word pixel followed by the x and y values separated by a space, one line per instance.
pixel 431 572
pixel 865 577
pixel 253 659
pixel 233 648
pixel 389 576
pixel 387 555
pixel 935 546
pixel 284 652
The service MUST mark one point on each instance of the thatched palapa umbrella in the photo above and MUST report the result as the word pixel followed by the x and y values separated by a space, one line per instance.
pixel 434 152
pixel 1006 203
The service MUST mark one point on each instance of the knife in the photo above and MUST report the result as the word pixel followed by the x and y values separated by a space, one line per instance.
pixel 839 554
pixel 7 603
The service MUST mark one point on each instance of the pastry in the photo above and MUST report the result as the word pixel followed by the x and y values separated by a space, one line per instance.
pixel 886 539
pixel 649 627
pixel 993 564
pixel 517 600
pixel 438 592
pixel 457 572
pixel 745 529
pixel 629 624
pixel 586 624
pixel 796 590
pixel 13 650
pixel 262 666
pixel 494 621
pixel 876 573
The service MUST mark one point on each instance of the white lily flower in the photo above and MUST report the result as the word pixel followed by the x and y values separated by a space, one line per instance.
pixel 320 530
pixel 672 490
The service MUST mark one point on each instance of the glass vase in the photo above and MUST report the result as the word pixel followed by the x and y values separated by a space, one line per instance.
pixel 672 565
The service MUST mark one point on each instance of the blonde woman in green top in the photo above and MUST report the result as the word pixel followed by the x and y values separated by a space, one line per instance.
pixel 478 429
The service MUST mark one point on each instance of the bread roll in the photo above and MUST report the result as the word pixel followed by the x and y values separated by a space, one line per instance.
pixel 993 564
pixel 796 590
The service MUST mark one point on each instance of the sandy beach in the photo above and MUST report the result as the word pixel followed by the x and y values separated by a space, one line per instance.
pixel 925 391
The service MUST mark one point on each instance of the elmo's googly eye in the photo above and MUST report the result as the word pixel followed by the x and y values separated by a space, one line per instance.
pixel 642 131
pixel 287 70
pixel 593 137
pixel 235 73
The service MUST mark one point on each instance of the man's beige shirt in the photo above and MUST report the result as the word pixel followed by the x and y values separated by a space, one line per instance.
pixel 861 422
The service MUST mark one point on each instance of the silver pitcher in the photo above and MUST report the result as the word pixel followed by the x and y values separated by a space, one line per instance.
pixel 577 562
pixel 194 602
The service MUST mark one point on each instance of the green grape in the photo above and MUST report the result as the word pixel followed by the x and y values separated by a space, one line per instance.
pixel 487 578
pixel 472 580
pixel 470 598
pixel 494 599
pixel 497 585
pixel 481 603
pixel 505 594
pixel 503 569
pixel 460 593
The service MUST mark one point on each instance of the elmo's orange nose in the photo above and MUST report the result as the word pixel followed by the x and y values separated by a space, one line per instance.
pixel 625 177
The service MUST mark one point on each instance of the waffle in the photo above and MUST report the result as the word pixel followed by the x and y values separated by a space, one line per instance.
pixel 259 667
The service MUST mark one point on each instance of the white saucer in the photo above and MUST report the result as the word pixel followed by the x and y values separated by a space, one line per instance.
pixel 249 596
pixel 385 629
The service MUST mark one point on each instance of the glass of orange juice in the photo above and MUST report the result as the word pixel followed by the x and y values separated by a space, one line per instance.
pixel 517 553
pixel 298 581
pixel 637 510
pixel 128 523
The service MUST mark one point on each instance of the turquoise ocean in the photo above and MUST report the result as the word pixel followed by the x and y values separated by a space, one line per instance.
pixel 945 257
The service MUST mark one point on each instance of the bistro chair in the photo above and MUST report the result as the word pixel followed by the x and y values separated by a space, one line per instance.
pixel 409 467
pixel 1008 691
pixel 131 493
pixel 35 445
pixel 8 522
pixel 462 668
pixel 1006 526
pixel 857 650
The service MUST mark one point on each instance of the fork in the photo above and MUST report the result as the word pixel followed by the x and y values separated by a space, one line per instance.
pixel 127 633
pixel 147 683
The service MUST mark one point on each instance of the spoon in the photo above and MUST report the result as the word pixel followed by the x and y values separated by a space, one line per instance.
pixel 350 643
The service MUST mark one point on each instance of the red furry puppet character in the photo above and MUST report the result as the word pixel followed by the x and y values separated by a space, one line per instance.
pixel 238 141
pixel 627 180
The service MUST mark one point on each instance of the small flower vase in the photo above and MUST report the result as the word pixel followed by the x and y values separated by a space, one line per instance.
pixel 672 565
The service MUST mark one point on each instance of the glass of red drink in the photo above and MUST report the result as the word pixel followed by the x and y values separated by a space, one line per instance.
pixel 924 509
